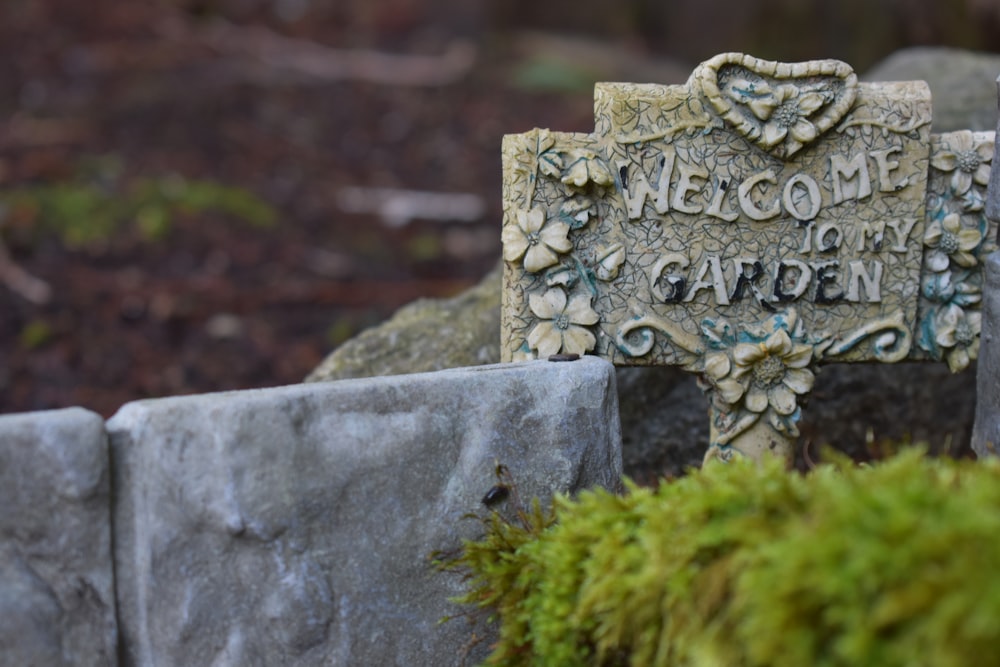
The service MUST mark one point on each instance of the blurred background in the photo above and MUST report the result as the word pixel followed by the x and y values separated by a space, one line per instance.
pixel 198 195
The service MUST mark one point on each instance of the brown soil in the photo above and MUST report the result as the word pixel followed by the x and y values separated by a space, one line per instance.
pixel 218 303
pixel 272 96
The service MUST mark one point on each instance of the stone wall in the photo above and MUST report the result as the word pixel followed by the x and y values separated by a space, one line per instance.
pixel 281 526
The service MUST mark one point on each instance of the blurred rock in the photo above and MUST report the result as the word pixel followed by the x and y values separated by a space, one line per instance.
pixel 426 335
pixel 963 84
pixel 295 525
pixel 56 590
pixel 554 61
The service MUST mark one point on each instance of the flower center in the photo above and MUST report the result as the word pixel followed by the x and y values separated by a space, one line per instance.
pixel 787 114
pixel 963 334
pixel 948 243
pixel 768 372
pixel 968 161
pixel 533 238
pixel 561 321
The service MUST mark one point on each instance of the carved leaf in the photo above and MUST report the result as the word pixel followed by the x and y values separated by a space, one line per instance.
pixel 576 212
pixel 609 262
pixel 550 163
pixel 561 275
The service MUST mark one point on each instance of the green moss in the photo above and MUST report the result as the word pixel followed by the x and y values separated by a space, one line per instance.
pixel 100 200
pixel 891 564
pixel 35 334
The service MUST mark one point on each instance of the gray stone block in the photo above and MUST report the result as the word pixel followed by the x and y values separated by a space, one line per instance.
pixel 56 583
pixel 986 431
pixel 961 82
pixel 294 525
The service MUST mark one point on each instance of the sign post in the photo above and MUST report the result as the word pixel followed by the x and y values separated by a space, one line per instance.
pixel 748 226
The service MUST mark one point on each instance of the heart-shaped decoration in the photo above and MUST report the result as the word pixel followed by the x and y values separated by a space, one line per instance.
pixel 780 107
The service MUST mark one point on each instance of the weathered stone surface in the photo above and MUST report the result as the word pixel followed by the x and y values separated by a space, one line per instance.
pixel 962 84
pixel 426 335
pixel 56 590
pixel 294 525
pixel 986 428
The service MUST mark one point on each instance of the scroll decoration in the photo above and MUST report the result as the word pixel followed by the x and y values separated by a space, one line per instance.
pixel 889 336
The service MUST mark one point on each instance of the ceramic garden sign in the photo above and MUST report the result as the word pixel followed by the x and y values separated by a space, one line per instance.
pixel 758 221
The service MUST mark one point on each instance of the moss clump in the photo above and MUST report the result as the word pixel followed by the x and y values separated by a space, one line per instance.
pixel 893 564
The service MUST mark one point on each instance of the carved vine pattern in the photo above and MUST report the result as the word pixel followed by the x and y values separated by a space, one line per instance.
pixel 957 238
pixel 582 177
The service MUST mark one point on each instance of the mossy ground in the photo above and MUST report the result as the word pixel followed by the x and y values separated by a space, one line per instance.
pixel 887 564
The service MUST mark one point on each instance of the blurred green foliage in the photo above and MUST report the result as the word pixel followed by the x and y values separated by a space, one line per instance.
pixel 35 334
pixel 888 564
pixel 550 74
pixel 101 199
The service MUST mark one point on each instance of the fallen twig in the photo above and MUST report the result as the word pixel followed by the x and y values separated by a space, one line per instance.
pixel 397 207
pixel 19 281
pixel 317 61
pixel 21 131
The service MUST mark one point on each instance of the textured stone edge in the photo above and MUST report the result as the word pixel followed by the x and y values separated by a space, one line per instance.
pixel 82 425
pixel 126 428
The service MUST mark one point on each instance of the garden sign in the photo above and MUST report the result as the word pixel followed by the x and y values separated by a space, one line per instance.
pixel 747 226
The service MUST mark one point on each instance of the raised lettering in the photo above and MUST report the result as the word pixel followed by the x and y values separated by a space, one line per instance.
pixel 788 289
pixel 685 186
pixel 875 230
pixel 792 199
pixel 807 237
pixel 715 206
pixel 826 275
pixel 842 172
pixel 872 281
pixel 668 287
pixel 824 242
pixel 717 282
pixel 902 229
pixel 885 165
pixel 750 208
pixel 748 272
pixel 636 189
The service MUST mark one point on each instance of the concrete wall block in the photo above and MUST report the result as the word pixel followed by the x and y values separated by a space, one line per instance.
pixel 56 584
pixel 294 525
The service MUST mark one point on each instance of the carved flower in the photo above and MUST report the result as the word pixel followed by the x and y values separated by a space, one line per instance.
pixel 535 240
pixel 560 330
pixel 944 287
pixel 958 334
pixel 769 373
pixel 946 239
pixel 717 367
pixel 585 167
pixel 786 112
pixel 968 155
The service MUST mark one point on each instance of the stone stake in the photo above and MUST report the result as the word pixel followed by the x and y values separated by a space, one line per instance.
pixel 986 430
